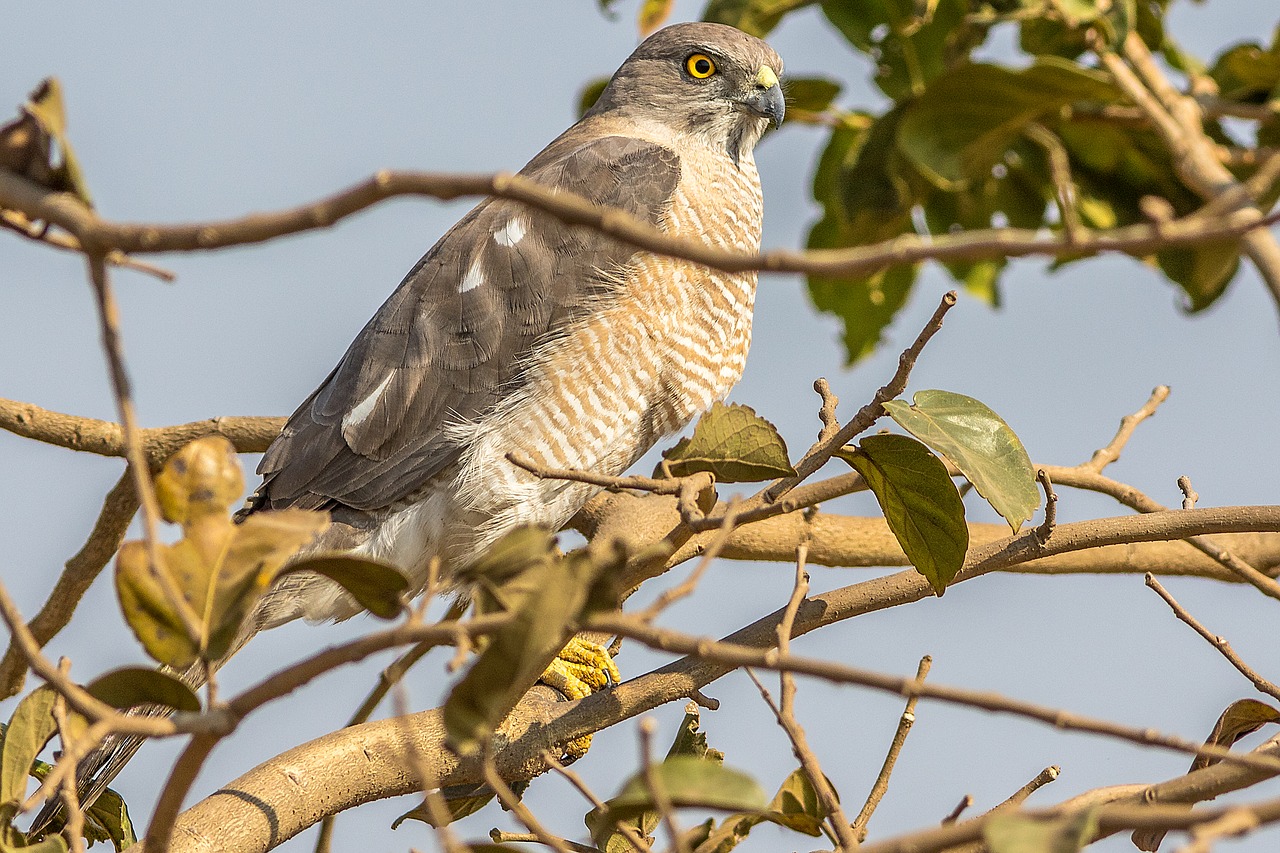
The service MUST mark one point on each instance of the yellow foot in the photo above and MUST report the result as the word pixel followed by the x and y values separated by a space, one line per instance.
pixel 581 668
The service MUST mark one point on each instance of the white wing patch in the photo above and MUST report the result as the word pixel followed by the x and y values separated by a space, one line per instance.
pixel 511 233
pixel 473 279
pixel 364 408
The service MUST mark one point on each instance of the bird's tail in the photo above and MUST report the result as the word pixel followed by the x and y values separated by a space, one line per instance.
pixel 97 769
pixel 291 597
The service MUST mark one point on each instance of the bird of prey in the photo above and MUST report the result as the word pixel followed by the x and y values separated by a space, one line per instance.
pixel 519 333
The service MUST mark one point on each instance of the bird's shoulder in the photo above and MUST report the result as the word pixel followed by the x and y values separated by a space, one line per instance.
pixel 453 339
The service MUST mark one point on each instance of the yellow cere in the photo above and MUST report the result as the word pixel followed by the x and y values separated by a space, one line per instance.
pixel 700 66
pixel 766 77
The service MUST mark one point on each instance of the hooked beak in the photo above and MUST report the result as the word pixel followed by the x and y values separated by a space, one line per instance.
pixel 766 99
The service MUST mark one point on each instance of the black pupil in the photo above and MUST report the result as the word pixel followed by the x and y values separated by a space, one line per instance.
pixel 702 66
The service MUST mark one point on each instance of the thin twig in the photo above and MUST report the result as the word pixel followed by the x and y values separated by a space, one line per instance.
pixel 76 696
pixel 881 786
pixel 553 761
pixel 57 240
pixel 433 798
pixel 1189 495
pixel 109 327
pixel 74 829
pixel 661 802
pixel 786 713
pixel 669 596
pixel 1045 530
pixel 41 204
pixel 1019 796
pixel 1060 174
pixel 737 655
pixel 512 804
pixel 827 414
pixel 1218 642
pixel 77 576
pixel 823 450
pixel 954 815
pixel 497 836
pixel 1104 456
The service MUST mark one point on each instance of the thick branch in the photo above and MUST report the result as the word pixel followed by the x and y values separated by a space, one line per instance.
pixel 106 438
pixel 359 764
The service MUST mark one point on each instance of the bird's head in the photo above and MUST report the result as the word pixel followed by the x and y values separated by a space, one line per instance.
pixel 700 79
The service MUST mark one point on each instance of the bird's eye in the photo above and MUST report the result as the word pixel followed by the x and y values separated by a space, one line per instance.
pixel 700 66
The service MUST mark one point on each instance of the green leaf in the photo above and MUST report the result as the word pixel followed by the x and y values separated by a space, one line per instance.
pixel 865 307
pixel 457 808
pixel 1248 71
pixel 1015 833
pixel 129 686
pixel 1120 20
pixel 1077 12
pixel 690 782
pixel 968 118
pixel 797 805
pixel 733 443
pixel 547 594
pixel 757 17
pixel 108 819
pixel 811 94
pixel 29 730
pixel 377 587
pixel 51 844
pixel 979 443
pixel 220 569
pixel 690 740
pixel 920 503
pixel 910 43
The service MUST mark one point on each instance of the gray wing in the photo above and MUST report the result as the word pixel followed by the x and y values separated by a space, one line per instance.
pixel 450 342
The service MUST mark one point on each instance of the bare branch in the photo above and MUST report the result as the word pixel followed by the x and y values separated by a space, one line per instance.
pixel 37 203
pixel 733 655
pixel 77 576
pixel 881 786
pixel 1019 796
pixel 824 449
pixel 1223 647
pixel 1104 456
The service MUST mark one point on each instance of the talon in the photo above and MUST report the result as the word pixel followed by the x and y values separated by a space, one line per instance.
pixel 581 668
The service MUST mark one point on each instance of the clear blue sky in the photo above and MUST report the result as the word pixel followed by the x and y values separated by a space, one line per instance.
pixel 183 112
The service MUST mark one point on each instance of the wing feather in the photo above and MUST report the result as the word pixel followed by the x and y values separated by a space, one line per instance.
pixel 450 342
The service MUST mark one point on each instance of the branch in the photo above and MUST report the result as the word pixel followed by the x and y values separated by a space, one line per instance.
pixel 105 438
pixel 1219 643
pixel 1178 120
pixel 242 815
pixel 65 211
pixel 77 576
pixel 1149 806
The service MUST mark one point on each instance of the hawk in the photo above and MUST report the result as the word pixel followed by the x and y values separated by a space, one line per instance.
pixel 517 332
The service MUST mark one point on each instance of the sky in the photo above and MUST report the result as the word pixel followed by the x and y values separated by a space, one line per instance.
pixel 185 112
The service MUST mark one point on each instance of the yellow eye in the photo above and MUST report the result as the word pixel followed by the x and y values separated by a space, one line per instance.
pixel 700 66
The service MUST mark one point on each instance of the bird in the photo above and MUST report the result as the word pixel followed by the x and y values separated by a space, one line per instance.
pixel 517 333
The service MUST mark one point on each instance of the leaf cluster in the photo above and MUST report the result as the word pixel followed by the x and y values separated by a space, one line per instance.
pixel 965 144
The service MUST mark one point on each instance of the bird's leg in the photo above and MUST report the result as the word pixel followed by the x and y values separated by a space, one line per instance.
pixel 582 668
